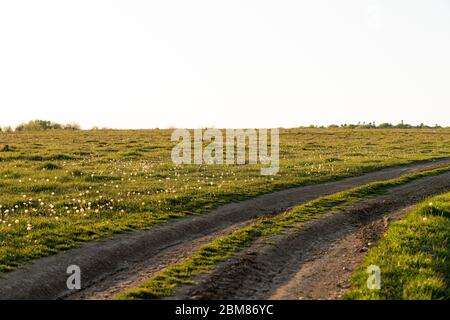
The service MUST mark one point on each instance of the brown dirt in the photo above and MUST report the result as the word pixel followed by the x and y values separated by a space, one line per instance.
pixel 316 259
pixel 317 280
pixel 111 263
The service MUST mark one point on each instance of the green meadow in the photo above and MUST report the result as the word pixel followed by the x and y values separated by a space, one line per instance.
pixel 60 188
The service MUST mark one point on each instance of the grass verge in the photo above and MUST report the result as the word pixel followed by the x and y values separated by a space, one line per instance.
pixel 413 256
pixel 165 283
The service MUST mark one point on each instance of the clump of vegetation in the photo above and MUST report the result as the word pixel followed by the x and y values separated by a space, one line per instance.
pixel 132 154
pixel 41 125
pixel 77 173
pixel 6 148
pixel 7 129
pixel 413 257
pixel 384 125
pixel 50 166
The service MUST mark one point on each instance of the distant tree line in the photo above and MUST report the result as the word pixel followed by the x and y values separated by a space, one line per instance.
pixel 41 125
pixel 384 125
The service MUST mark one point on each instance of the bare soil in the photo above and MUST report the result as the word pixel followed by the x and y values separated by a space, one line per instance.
pixel 111 265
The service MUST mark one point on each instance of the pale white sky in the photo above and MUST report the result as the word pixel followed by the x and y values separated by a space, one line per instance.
pixel 233 63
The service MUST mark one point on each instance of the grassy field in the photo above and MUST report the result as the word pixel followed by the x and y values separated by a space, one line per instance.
pixel 61 188
pixel 413 257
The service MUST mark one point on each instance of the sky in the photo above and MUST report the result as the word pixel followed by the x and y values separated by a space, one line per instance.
pixel 234 63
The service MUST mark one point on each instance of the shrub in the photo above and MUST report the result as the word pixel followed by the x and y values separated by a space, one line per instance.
pixel 41 125
pixel 6 148
pixel 7 129
pixel 50 166
pixel 385 125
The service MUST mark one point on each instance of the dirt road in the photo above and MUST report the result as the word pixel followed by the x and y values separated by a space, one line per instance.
pixel 316 260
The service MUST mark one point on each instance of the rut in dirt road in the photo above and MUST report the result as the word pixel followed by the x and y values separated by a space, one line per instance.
pixel 132 276
pixel 316 260
pixel 107 263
